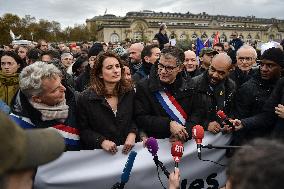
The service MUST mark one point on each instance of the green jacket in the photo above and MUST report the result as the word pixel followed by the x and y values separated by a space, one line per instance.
pixel 8 87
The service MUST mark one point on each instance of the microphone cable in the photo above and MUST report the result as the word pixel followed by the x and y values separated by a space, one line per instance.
pixel 160 177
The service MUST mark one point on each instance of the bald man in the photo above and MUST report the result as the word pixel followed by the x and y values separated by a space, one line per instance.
pixel 135 56
pixel 191 64
pixel 212 91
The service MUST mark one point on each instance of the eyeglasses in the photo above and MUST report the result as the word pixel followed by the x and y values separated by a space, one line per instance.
pixel 248 59
pixel 168 69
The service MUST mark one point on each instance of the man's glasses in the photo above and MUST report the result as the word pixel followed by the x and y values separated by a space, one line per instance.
pixel 168 69
pixel 248 59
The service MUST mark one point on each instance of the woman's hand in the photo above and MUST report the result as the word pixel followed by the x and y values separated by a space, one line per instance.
pixel 129 143
pixel 109 146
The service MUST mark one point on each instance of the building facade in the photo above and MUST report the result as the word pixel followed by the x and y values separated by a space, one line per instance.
pixel 142 26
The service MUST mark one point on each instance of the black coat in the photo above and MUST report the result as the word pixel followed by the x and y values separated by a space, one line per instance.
pixel 252 95
pixel 97 122
pixel 205 103
pixel 83 81
pixel 150 115
pixel 250 99
pixel 268 119
pixel 239 77
pixel 162 38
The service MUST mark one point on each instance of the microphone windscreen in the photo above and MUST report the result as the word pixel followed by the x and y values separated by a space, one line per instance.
pixel 198 133
pixel 128 167
pixel 177 150
pixel 152 146
pixel 221 114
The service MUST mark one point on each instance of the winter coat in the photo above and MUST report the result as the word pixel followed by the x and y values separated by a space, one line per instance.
pixel 97 121
pixel 205 103
pixel 239 77
pixel 162 38
pixel 268 119
pixel 8 87
pixel 150 115
pixel 22 108
pixel 252 95
pixel 83 81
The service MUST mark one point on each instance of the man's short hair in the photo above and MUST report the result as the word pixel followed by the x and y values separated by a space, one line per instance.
pixel 26 149
pixel 147 51
pixel 174 52
pixel 258 165
pixel 247 47
pixel 31 77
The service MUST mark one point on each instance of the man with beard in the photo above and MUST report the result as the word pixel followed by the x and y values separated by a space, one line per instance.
pixel 161 103
pixel 135 57
pixel 212 91
pixel 253 94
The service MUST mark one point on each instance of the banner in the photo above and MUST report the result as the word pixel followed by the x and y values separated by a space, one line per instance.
pixel 97 169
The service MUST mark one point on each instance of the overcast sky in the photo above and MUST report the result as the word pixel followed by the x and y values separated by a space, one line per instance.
pixel 70 12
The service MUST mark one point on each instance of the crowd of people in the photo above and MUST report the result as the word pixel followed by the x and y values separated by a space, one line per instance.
pixel 102 95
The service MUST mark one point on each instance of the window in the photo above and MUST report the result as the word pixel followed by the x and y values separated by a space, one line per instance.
pixel 114 38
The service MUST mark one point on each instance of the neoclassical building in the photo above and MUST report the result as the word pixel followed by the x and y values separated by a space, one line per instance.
pixel 145 24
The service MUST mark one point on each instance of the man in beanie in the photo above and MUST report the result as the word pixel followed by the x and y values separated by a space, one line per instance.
pixel 253 94
pixel 83 81
pixel 271 117
pixel 21 151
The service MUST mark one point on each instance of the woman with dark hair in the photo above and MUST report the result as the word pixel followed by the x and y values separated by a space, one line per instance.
pixel 105 110
pixel 11 65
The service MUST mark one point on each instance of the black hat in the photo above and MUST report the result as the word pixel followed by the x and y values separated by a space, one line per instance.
pixel 95 49
pixel 274 54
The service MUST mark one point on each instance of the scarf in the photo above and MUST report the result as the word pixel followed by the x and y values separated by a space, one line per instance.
pixel 59 111
pixel 9 80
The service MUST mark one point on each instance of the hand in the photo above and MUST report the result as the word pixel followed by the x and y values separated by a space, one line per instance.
pixel 237 123
pixel 174 179
pixel 279 110
pixel 109 146
pixel 129 143
pixel 178 130
pixel 214 127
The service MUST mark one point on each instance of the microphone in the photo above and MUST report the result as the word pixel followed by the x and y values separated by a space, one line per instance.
pixel 152 146
pixel 198 135
pixel 127 169
pixel 177 152
pixel 224 118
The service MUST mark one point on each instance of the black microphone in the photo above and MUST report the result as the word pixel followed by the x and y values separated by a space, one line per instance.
pixel 152 146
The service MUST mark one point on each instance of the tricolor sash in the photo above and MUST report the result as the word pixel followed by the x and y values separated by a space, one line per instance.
pixel 70 134
pixel 171 106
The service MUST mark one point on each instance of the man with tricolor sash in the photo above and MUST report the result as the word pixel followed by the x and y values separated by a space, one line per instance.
pixel 43 102
pixel 162 99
